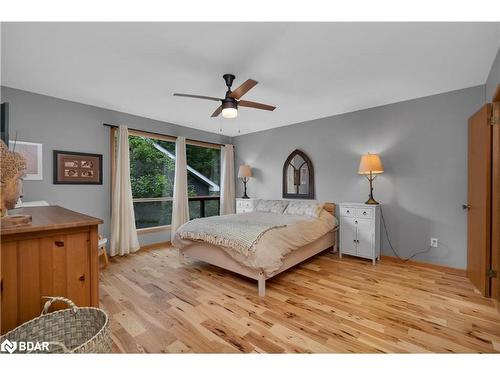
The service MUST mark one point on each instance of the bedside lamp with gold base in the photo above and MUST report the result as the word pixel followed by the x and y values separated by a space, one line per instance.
pixel 370 166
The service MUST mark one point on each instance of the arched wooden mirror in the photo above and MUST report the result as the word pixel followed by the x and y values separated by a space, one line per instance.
pixel 298 176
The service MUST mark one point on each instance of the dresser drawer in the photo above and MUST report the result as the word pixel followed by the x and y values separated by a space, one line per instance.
pixel 366 213
pixel 347 211
pixel 244 204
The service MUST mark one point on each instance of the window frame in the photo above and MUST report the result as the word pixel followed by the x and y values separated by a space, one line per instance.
pixel 161 137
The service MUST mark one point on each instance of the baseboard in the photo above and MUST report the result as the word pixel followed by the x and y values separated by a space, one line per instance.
pixel 156 245
pixel 455 271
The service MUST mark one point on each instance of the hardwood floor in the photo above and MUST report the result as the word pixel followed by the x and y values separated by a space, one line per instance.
pixel 327 304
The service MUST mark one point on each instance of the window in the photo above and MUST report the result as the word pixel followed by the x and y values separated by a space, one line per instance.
pixel 152 172
pixel 203 180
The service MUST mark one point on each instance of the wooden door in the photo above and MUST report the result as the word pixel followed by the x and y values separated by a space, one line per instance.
pixel 9 294
pixel 21 293
pixel 365 238
pixel 56 265
pixel 64 268
pixel 78 268
pixel 495 200
pixel 479 199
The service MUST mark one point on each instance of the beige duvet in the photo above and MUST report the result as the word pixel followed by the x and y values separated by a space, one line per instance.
pixel 268 252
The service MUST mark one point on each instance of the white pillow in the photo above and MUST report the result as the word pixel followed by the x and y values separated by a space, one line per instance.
pixel 273 206
pixel 302 208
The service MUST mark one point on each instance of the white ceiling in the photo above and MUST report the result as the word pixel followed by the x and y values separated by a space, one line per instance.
pixel 308 70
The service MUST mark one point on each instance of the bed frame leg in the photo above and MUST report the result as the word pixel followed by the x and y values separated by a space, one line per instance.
pixel 262 284
pixel 335 247
pixel 183 258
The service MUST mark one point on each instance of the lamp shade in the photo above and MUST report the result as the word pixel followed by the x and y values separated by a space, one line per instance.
pixel 245 171
pixel 370 163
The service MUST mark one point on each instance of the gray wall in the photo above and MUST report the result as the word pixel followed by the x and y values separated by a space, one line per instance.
pixel 493 78
pixel 423 145
pixel 64 125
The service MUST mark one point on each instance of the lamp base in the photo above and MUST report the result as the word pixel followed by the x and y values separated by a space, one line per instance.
pixel 245 196
pixel 371 201
pixel 370 196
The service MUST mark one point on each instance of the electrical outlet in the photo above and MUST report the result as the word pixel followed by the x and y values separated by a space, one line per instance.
pixel 434 242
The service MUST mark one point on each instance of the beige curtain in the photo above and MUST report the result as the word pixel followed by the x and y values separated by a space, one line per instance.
pixel 180 206
pixel 227 197
pixel 123 232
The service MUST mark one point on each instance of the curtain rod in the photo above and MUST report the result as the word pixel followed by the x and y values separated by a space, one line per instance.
pixel 166 135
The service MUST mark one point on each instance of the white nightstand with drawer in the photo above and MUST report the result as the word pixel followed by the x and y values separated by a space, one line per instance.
pixel 245 205
pixel 360 230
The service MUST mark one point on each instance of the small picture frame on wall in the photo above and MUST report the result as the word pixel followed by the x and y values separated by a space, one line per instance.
pixel 77 168
pixel 33 153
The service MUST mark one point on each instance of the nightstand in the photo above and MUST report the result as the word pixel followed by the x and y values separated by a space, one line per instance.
pixel 245 205
pixel 360 230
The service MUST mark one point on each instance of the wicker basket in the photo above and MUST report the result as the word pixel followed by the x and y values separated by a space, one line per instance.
pixel 73 330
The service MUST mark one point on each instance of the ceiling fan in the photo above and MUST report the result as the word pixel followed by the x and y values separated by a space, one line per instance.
pixel 231 102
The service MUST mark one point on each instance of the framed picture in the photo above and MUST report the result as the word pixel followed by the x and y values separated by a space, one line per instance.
pixel 33 154
pixel 77 168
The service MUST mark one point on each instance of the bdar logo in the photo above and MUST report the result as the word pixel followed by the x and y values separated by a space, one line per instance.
pixel 8 346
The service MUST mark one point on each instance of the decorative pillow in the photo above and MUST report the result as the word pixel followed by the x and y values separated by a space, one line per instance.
pixel 302 208
pixel 274 206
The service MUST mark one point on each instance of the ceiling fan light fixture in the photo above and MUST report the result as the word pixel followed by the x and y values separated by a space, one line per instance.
pixel 229 112
pixel 229 108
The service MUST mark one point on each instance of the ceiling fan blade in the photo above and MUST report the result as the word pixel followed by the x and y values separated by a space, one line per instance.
pixel 217 111
pixel 246 103
pixel 198 97
pixel 243 89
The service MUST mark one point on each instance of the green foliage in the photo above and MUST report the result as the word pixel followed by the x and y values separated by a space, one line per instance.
pixel 152 172
pixel 192 191
pixel 151 186
pixel 205 160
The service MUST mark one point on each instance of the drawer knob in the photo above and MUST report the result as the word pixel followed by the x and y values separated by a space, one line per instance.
pixel 364 212
pixel 82 278
pixel 348 211
pixel 356 222
pixel 59 243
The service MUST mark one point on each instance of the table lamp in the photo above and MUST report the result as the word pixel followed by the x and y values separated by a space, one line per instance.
pixel 370 166
pixel 245 172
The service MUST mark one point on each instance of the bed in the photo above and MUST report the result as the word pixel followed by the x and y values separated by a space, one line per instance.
pixel 282 241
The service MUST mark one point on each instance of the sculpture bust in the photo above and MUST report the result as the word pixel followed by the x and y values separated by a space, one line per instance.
pixel 13 167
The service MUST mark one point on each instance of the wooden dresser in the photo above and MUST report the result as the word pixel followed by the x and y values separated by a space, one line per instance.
pixel 54 256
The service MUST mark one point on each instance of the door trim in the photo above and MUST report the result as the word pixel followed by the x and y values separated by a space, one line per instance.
pixel 495 202
pixel 479 215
